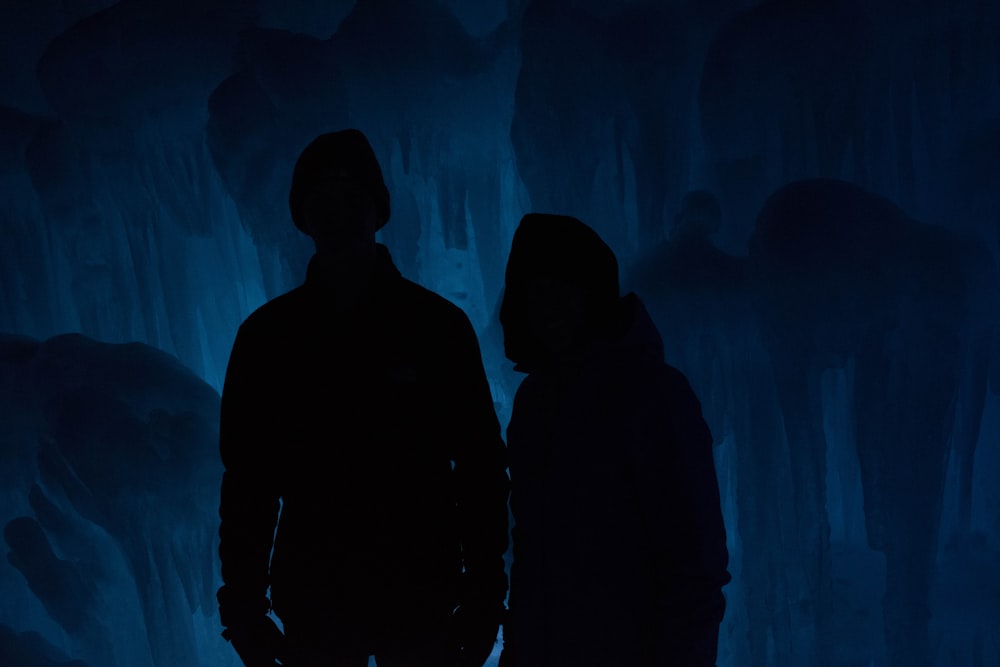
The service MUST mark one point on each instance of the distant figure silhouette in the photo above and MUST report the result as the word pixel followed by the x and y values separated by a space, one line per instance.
pixel 619 545
pixel 689 261
pixel 357 405
pixel 700 216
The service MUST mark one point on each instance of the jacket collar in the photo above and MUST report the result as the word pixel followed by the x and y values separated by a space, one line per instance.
pixel 633 335
pixel 384 275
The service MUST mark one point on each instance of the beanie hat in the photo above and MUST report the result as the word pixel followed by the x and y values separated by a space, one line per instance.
pixel 348 155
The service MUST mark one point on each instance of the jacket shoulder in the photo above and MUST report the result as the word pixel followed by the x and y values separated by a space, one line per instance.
pixel 431 304
pixel 280 313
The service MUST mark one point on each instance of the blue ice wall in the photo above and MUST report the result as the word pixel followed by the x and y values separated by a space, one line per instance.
pixel 837 314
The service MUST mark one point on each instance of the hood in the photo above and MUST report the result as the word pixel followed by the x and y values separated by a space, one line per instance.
pixel 636 334
pixel 632 336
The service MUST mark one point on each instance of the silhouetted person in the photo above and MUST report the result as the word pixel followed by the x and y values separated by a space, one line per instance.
pixel 619 544
pixel 700 216
pixel 689 260
pixel 357 405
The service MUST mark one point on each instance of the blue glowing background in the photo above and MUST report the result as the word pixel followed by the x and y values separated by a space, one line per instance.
pixel 846 354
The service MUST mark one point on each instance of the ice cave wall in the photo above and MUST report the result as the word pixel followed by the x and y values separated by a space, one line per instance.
pixel 145 154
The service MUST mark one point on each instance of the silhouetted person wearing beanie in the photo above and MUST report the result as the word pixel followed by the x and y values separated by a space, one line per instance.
pixel 619 544
pixel 365 487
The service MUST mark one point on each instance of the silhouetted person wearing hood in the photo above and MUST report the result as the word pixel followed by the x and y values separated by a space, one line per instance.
pixel 619 545
pixel 357 405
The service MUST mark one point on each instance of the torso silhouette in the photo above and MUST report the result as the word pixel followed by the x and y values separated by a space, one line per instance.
pixel 354 419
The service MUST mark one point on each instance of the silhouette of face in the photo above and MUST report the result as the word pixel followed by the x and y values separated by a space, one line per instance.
pixel 341 217
pixel 557 317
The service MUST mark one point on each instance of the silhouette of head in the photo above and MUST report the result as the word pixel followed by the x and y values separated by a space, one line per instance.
pixel 338 193
pixel 561 289
pixel 700 216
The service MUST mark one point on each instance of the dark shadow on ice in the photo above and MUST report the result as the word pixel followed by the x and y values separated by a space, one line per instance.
pixel 699 298
pixel 848 281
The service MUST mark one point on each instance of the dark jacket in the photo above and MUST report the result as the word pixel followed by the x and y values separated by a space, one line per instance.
pixel 619 544
pixel 376 436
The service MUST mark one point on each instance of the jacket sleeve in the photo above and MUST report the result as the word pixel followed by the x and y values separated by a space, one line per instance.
pixel 249 498
pixel 678 495
pixel 480 473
